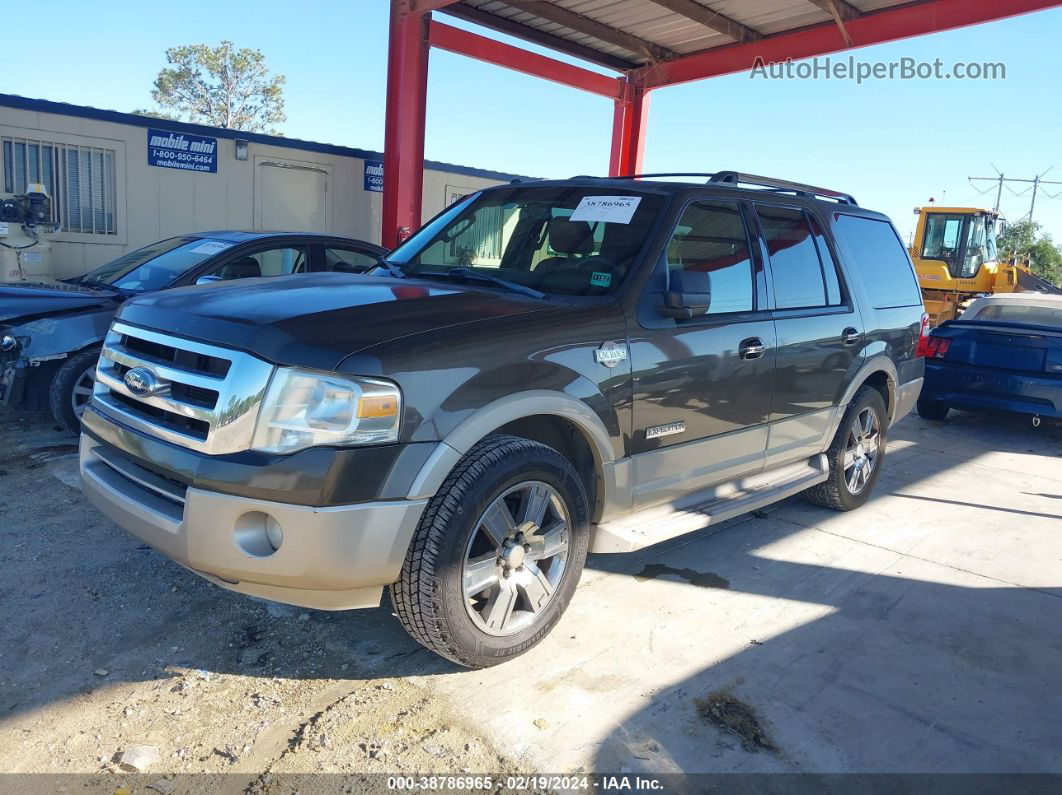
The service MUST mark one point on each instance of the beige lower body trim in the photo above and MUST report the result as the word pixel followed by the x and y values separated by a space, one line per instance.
pixel 333 558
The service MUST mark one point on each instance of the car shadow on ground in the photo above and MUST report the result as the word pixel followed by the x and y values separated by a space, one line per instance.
pixel 910 658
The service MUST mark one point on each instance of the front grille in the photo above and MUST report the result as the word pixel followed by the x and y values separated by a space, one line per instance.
pixel 189 393
pixel 167 419
pixel 198 395
pixel 168 354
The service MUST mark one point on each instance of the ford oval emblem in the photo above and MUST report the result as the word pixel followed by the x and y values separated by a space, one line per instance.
pixel 141 382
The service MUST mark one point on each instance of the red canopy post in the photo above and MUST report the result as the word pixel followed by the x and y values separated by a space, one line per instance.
pixel 407 92
pixel 628 130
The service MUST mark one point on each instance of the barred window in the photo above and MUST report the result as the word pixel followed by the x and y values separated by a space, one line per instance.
pixel 79 179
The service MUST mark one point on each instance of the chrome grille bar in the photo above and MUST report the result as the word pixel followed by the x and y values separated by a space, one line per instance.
pixel 226 427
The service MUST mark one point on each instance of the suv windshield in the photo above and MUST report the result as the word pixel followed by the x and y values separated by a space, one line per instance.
pixel 578 241
pixel 156 266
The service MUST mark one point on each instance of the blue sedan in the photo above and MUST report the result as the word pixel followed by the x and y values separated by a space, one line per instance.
pixel 1003 354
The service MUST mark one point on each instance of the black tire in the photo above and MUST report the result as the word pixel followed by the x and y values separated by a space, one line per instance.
pixel 835 492
pixel 933 409
pixel 429 596
pixel 68 386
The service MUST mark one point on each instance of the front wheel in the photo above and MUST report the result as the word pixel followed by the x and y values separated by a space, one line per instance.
pixel 71 389
pixel 855 455
pixel 497 555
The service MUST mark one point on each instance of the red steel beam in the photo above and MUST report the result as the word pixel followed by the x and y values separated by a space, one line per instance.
pixel 463 42
pixel 628 131
pixel 876 27
pixel 426 6
pixel 407 90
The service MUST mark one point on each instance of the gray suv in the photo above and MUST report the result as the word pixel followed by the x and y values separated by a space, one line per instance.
pixel 545 369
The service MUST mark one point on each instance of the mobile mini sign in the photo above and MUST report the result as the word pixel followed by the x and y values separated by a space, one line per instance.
pixel 182 151
pixel 374 176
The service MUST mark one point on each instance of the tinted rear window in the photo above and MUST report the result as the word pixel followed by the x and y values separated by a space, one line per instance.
pixel 880 258
pixel 1040 315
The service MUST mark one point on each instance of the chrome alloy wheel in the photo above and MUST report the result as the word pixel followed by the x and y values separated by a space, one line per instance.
pixel 81 394
pixel 861 450
pixel 515 558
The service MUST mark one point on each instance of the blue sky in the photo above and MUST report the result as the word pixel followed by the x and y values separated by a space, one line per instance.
pixel 892 144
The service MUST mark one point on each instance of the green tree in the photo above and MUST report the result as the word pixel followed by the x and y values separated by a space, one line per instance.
pixel 1024 242
pixel 220 86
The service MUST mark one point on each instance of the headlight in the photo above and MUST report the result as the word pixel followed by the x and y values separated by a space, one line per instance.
pixel 303 409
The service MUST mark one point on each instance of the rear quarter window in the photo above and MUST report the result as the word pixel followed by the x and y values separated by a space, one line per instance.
pixel 879 258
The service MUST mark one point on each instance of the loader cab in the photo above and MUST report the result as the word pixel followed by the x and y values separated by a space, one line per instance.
pixel 962 238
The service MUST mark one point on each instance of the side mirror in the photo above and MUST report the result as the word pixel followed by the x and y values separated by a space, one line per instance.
pixel 689 294
pixel 208 279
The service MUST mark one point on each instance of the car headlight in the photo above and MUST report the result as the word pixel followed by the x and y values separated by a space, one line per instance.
pixel 303 409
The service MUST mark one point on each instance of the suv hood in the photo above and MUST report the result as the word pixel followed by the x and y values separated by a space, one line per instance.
pixel 316 320
pixel 24 301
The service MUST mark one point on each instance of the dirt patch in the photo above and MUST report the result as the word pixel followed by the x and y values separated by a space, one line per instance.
pixel 725 711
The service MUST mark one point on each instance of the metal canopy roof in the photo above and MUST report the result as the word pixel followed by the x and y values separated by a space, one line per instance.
pixel 629 34
pixel 653 43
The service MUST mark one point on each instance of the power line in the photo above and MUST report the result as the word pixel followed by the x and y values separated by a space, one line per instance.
pixel 1034 186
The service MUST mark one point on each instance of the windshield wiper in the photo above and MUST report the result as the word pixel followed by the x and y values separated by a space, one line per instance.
pixel 391 268
pixel 462 274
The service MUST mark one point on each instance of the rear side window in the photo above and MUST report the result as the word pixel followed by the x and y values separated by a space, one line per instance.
pixel 880 258
pixel 802 278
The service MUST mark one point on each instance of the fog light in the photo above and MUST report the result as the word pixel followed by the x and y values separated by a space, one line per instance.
pixel 258 534
pixel 7 343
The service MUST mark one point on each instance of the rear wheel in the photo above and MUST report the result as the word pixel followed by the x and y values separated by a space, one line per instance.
pixel 72 387
pixel 497 555
pixel 932 409
pixel 856 454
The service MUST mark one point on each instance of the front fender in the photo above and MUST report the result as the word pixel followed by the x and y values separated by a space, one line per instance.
pixel 57 337
pixel 501 412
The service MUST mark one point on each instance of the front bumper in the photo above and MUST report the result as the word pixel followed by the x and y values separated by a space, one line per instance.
pixel 330 558
pixel 985 389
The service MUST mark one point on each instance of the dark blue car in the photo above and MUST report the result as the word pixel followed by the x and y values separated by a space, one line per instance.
pixel 50 333
pixel 1003 354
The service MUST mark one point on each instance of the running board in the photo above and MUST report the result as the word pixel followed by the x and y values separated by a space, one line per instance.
pixel 697 511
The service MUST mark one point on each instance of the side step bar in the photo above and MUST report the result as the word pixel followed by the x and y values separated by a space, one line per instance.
pixel 722 502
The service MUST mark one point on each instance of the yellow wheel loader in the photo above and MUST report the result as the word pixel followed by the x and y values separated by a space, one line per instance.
pixel 954 252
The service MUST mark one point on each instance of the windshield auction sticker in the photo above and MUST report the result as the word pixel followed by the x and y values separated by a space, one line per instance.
pixel 210 247
pixel 610 209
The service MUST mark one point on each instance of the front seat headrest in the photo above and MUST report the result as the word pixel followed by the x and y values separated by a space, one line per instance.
pixel 571 237
pixel 243 268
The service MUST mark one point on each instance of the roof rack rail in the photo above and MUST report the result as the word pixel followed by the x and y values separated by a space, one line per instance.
pixel 799 188
pixel 737 178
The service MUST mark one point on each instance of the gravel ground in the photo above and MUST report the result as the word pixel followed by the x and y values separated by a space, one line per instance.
pixel 105 646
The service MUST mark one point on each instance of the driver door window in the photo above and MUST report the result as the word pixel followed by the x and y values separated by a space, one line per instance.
pixel 279 261
pixel 345 260
pixel 710 237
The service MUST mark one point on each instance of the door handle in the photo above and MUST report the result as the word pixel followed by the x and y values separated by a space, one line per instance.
pixel 850 336
pixel 751 348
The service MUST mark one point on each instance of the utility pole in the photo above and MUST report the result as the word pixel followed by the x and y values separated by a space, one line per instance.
pixel 1001 180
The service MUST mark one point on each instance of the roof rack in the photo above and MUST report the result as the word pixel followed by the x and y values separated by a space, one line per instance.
pixel 737 178
pixel 799 188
